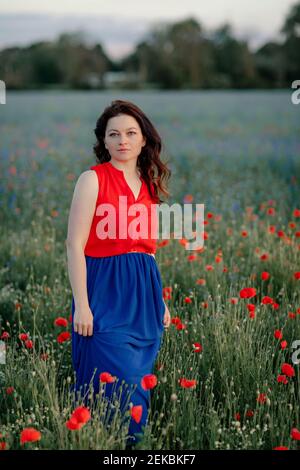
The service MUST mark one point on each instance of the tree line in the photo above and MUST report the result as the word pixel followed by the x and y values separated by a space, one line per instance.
pixel 176 55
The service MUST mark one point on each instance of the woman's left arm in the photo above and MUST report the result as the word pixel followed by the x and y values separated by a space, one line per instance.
pixel 167 316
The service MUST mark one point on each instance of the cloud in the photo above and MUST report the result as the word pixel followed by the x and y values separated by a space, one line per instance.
pixel 117 35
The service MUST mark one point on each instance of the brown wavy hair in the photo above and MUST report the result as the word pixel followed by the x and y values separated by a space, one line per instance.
pixel 151 167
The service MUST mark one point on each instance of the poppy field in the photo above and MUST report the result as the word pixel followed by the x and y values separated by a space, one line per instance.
pixel 227 374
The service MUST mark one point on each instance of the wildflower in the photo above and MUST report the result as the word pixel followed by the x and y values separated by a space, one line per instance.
pixel 106 377
pixel 30 435
pixel 64 336
pixel 295 434
pixel 136 413
pixel 247 292
pixel 185 383
pixel 60 321
pixel 282 379
pixel 148 381
pixel 278 334
pixel 288 370
pixel 197 347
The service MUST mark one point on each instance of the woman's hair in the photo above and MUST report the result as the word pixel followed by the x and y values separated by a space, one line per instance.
pixel 148 161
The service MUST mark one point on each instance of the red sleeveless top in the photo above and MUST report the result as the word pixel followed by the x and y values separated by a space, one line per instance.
pixel 115 227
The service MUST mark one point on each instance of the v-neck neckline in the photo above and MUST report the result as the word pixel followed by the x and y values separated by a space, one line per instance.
pixel 122 174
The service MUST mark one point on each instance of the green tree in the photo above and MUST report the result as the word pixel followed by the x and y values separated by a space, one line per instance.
pixel 291 46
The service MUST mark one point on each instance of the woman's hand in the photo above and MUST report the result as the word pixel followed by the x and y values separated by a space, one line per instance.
pixel 83 321
pixel 167 318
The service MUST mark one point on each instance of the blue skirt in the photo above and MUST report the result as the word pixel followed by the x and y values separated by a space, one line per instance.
pixel 126 298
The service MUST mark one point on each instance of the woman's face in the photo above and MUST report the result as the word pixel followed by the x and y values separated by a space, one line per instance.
pixel 123 132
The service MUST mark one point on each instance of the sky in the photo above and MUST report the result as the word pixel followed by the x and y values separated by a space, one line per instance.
pixel 120 24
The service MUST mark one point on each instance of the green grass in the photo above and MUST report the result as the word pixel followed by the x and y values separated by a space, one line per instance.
pixel 230 151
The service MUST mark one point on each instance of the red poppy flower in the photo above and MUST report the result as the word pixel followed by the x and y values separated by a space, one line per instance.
pixel 265 276
pixel 5 335
pixel 188 198
pixel 288 370
pixel 136 413
pixel 197 347
pixel 267 300
pixel 23 336
pixel 188 300
pixel 9 390
pixel 60 321
pixel 247 292
pixel 295 434
pixel 81 414
pixel 185 383
pixel 296 213
pixel 73 425
pixel 29 344
pixel 106 377
pixel 209 267
pixel 167 293
pixel 262 397
pixel 162 243
pixel 283 344
pixel 271 211
pixel 297 275
pixel 281 379
pixel 30 435
pixel 148 381
pixel 64 336
pixel 278 334
pixel 280 448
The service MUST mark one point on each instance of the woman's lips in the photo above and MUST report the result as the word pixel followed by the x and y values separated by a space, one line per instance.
pixel 123 150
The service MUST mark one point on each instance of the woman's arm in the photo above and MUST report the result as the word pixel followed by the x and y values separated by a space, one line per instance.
pixel 80 219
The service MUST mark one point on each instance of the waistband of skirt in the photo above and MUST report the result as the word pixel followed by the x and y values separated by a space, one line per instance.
pixel 120 254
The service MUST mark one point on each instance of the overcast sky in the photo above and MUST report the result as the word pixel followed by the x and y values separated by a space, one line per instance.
pixel 119 24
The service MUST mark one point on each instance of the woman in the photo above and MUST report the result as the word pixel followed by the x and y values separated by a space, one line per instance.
pixel 118 311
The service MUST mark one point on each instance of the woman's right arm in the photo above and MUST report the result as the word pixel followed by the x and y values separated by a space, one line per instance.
pixel 80 219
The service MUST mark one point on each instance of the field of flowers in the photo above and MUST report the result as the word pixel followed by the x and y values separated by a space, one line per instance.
pixel 225 377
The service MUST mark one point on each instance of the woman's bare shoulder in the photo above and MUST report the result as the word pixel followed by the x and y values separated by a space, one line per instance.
pixel 87 182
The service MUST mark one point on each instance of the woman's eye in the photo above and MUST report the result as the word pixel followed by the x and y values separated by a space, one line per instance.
pixel 113 134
